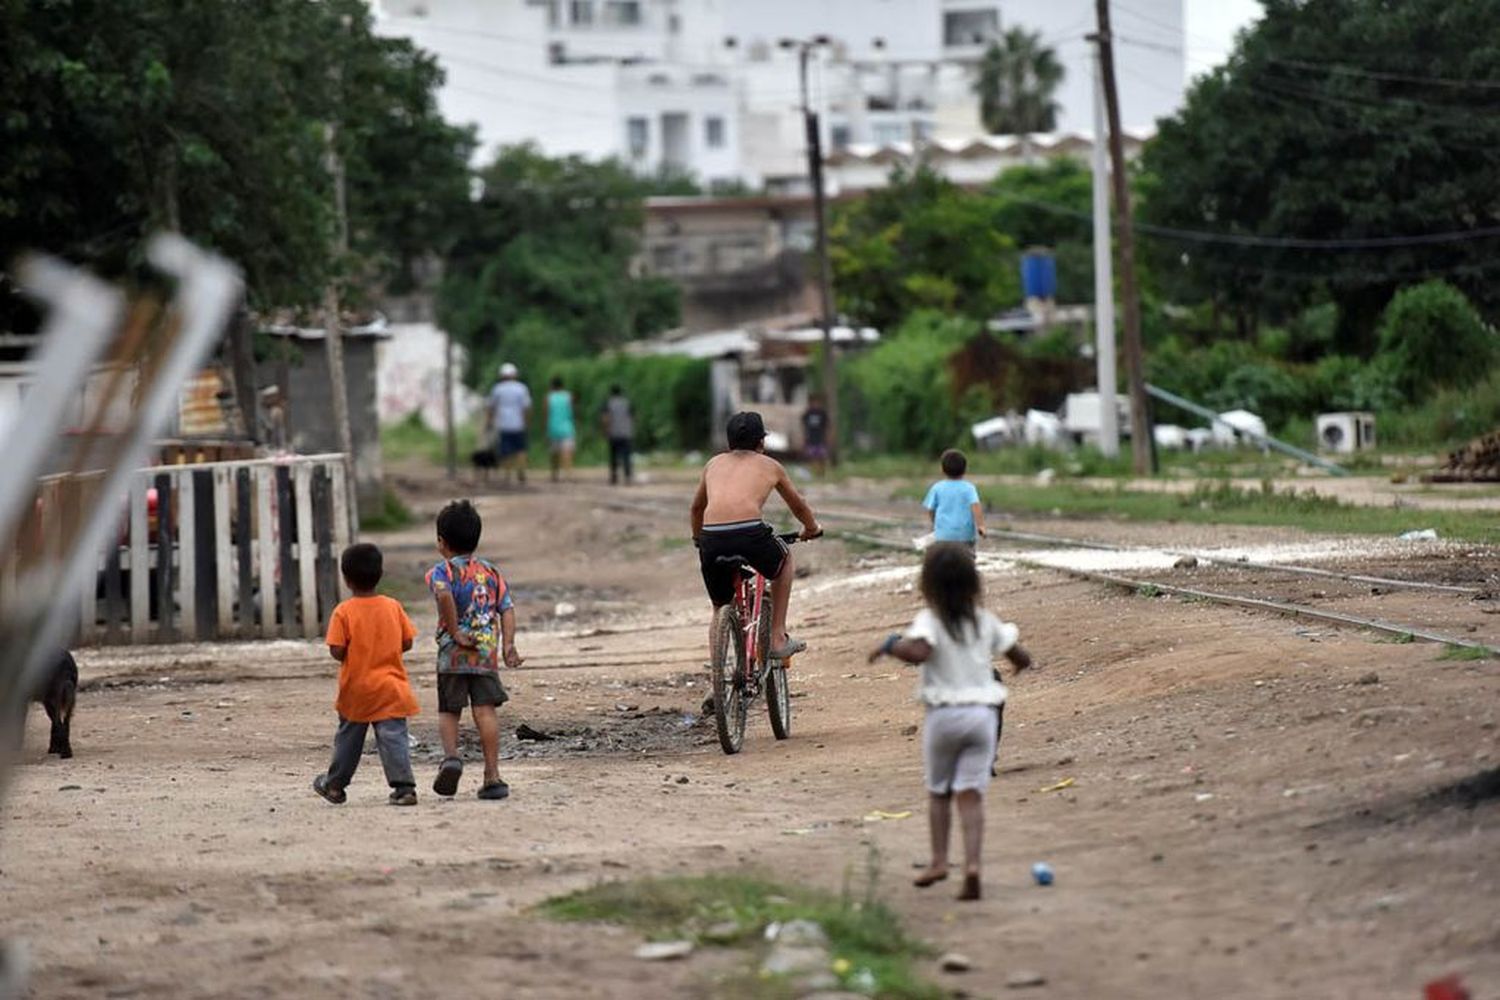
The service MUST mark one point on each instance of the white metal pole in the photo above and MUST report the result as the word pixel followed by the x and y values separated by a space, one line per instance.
pixel 1104 283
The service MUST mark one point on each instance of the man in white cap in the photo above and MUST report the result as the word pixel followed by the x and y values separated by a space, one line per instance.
pixel 509 414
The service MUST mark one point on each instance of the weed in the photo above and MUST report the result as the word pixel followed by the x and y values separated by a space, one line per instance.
pixel 390 515
pixel 1453 651
pixel 1400 639
pixel 862 931
pixel 1148 590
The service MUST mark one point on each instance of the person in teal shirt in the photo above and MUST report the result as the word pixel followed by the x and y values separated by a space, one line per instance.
pixel 562 436
pixel 953 506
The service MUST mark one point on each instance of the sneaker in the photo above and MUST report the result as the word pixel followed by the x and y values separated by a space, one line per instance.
pixel 404 797
pixel 335 795
pixel 495 790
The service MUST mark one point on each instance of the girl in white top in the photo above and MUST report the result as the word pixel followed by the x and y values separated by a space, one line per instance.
pixel 956 641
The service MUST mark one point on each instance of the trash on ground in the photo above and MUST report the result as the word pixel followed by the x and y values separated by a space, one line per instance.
pixel 1059 786
pixel 1420 535
pixel 664 951
pixel 525 732
pixel 876 815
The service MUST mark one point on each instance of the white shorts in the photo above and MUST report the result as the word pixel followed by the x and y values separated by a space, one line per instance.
pixel 958 747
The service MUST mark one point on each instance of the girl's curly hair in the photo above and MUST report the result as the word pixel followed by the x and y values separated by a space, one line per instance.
pixel 950 585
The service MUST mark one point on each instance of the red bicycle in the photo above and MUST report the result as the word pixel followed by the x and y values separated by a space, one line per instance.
pixel 740 659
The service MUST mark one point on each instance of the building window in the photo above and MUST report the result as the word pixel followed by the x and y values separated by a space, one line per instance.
pixel 664 258
pixel 713 132
pixel 580 12
pixel 637 135
pixel 970 27
pixel 674 24
pixel 886 133
pixel 622 13
pixel 838 136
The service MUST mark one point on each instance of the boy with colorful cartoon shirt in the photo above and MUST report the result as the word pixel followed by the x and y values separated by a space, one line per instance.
pixel 476 629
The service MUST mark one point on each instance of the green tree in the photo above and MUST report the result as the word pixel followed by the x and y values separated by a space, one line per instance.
pixel 542 267
pixel 1017 84
pixel 1049 206
pixel 1333 120
pixel 208 117
pixel 1431 337
pixel 921 242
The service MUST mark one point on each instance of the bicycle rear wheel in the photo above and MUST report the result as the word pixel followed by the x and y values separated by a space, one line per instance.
pixel 779 700
pixel 727 673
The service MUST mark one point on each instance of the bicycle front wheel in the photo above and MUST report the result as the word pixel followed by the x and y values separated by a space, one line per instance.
pixel 727 674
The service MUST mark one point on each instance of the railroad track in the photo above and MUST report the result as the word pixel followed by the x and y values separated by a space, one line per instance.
pixel 865 519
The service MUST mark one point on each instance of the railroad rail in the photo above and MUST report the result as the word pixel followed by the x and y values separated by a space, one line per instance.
pixel 645 505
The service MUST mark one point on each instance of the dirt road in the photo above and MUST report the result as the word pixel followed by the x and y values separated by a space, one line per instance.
pixel 1259 808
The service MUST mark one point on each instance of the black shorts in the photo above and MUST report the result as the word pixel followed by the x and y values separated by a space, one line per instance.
pixel 455 691
pixel 753 541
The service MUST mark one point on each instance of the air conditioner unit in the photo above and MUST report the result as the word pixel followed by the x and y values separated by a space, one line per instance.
pixel 1346 433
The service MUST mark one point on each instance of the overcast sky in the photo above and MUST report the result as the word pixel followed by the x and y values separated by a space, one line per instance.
pixel 1211 26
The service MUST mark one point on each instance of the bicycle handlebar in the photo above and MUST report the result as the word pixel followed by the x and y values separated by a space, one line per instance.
pixel 793 537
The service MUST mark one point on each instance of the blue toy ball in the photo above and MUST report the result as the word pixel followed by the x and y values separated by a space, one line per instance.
pixel 1042 872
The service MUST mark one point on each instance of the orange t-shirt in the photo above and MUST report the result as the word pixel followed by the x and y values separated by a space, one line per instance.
pixel 372 681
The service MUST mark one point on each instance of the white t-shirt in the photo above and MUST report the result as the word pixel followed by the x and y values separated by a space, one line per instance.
pixel 509 401
pixel 960 672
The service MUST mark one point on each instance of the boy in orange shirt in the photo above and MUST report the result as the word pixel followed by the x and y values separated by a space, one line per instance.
pixel 367 634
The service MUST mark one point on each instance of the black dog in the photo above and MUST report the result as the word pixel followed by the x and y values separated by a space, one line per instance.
pixel 58 693
pixel 484 458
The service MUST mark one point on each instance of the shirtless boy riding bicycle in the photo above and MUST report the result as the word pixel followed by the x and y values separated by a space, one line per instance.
pixel 726 518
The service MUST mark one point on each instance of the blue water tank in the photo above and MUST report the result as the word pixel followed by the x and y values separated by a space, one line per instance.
pixel 1038 274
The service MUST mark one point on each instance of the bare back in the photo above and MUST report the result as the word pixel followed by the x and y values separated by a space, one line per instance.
pixel 737 484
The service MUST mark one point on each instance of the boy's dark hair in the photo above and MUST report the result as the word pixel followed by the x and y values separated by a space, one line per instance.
pixel 459 526
pixel 362 565
pixel 745 431
pixel 955 463
pixel 950 585
pixel 557 381
pixel 615 390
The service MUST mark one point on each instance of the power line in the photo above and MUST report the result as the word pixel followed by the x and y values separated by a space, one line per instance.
pixel 1283 242
pixel 1346 70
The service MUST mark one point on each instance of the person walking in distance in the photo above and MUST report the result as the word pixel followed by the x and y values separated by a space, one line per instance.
pixel 509 416
pixel 562 436
pixel 619 427
pixel 815 434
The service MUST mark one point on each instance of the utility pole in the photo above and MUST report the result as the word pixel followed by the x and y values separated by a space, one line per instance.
pixel 1140 423
pixel 333 333
pixel 1104 284
pixel 451 439
pixel 825 273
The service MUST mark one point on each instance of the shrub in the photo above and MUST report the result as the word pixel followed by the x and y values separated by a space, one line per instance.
pixel 1433 338
pixel 902 393
pixel 669 394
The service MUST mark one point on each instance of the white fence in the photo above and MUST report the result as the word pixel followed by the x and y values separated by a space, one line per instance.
pixel 211 550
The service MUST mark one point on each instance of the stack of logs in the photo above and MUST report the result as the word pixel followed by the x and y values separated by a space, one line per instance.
pixel 1476 462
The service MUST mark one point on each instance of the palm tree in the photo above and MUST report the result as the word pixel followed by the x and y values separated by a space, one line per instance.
pixel 1018 77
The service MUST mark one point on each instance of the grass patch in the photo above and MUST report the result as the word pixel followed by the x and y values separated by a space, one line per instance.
pixel 863 932
pixel 1224 503
pixel 1400 639
pixel 411 438
pixel 1464 653
pixel 390 515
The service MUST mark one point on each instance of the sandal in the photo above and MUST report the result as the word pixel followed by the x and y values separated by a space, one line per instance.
pixel 335 795
pixel 496 790
pixel 927 878
pixel 971 889
pixel 446 782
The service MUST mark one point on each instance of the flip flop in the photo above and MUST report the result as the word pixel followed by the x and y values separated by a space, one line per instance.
pixel 792 647
pixel 495 790
pixel 929 878
pixel 448 774
pixel 971 889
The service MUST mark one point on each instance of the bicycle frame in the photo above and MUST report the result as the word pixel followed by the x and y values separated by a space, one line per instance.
pixel 750 603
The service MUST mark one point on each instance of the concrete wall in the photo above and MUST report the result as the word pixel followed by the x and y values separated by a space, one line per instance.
pixel 309 418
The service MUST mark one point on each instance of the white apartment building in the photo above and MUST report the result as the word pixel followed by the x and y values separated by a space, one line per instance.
pixel 711 87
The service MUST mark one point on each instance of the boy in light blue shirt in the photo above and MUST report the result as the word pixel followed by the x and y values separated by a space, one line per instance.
pixel 953 507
